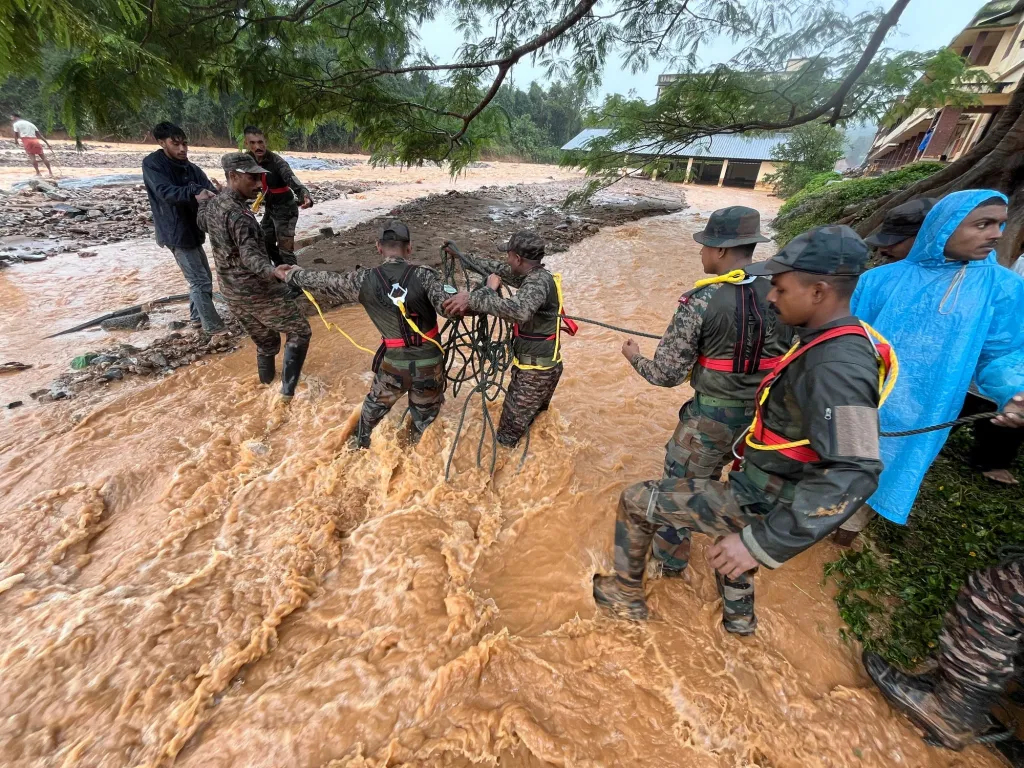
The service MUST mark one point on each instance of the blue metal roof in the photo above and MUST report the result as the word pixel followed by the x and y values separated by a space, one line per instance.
pixel 724 146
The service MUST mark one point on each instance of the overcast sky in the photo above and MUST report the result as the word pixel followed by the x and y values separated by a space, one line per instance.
pixel 925 24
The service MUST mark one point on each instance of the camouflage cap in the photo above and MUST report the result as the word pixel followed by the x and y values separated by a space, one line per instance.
pixel 394 231
pixel 527 244
pixel 902 222
pixel 835 250
pixel 242 162
pixel 732 226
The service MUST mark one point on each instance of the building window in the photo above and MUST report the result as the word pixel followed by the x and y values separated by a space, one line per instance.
pixel 985 56
pixel 1014 36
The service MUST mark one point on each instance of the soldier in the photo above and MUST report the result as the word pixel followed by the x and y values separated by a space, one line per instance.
pixel 812 453
pixel 403 301
pixel 257 300
pixel 894 239
pixel 725 337
pixel 536 311
pixel 982 638
pixel 281 189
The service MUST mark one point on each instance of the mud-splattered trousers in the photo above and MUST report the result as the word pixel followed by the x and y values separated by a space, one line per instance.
pixel 422 379
pixel 529 393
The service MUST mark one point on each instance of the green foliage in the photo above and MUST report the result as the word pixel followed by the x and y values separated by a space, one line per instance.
pixel 826 205
pixel 948 80
pixel 811 149
pixel 893 594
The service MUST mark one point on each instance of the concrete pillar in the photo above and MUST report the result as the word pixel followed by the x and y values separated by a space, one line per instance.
pixel 721 176
pixel 689 167
pixel 942 132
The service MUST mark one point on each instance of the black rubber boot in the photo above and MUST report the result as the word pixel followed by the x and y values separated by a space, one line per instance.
pixel 265 367
pixel 294 357
pixel 953 715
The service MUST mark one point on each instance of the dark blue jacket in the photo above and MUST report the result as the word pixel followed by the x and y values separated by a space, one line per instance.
pixel 172 186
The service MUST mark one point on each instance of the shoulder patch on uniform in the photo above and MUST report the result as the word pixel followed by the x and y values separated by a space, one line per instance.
pixel 685 298
pixel 855 430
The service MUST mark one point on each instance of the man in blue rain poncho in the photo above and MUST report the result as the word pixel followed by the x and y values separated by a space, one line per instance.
pixel 953 315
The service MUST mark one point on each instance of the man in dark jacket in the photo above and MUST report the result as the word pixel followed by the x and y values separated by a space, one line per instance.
pixel 812 453
pixel 175 187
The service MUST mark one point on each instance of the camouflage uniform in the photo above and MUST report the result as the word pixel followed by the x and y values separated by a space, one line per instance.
pixel 535 311
pixel 416 369
pixel 280 209
pixel 981 641
pixel 725 325
pixel 779 504
pixel 255 297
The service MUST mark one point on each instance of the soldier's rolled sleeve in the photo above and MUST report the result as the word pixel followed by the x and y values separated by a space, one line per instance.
pixel 341 287
pixel 839 407
pixel 516 309
pixel 676 352
pixel 485 266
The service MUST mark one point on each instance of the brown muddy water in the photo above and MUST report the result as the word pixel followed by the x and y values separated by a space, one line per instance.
pixel 194 575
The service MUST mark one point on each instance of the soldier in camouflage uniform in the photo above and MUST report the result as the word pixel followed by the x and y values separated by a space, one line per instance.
pixel 282 191
pixel 536 311
pixel 812 455
pixel 980 643
pixel 259 301
pixel 725 337
pixel 408 361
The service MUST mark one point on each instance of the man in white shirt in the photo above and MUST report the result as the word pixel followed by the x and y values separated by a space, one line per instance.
pixel 31 138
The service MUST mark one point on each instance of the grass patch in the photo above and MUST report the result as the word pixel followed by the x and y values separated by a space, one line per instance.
pixel 820 203
pixel 894 592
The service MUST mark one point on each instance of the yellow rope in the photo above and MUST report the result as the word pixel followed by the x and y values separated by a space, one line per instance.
pixel 736 276
pixel 329 325
pixel 257 202
pixel 556 358
pixel 401 307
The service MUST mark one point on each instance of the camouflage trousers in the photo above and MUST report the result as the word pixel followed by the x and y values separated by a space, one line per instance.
pixel 700 448
pixel 529 393
pixel 685 505
pixel 984 632
pixel 423 380
pixel 266 319
pixel 279 222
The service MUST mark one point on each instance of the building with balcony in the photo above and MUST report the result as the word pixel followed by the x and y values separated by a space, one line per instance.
pixel 994 42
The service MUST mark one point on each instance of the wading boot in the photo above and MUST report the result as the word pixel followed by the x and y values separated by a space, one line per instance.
pixel 951 714
pixel 265 368
pixel 294 357
pixel 626 602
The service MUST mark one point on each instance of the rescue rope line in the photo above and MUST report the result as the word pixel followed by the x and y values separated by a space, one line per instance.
pixel 947 425
pixel 329 325
pixel 613 327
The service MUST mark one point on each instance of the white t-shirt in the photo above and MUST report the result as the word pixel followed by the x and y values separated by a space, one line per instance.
pixel 1018 266
pixel 25 129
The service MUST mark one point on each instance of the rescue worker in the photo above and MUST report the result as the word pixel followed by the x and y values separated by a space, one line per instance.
pixel 893 240
pixel 403 301
pixel 535 310
pixel 726 338
pixel 811 455
pixel 981 640
pixel 257 300
pixel 281 191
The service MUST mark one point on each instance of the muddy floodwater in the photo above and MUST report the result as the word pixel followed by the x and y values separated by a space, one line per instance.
pixel 194 575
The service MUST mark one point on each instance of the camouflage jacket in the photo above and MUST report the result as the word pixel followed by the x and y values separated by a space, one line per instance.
pixel 243 267
pixel 344 287
pixel 280 174
pixel 705 324
pixel 531 294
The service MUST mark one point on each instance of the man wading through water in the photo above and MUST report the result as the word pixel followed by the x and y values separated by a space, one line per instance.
pixel 256 299
pixel 726 338
pixel 403 301
pixel 812 453
pixel 536 311
pixel 281 190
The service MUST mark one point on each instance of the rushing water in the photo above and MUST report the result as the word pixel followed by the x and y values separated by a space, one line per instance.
pixel 193 574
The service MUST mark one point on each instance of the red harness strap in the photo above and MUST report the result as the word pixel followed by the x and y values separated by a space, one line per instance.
pixel 768 437
pixel 725 364
pixel 395 343
pixel 272 190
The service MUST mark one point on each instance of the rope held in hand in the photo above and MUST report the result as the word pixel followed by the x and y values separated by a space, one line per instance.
pixel 947 425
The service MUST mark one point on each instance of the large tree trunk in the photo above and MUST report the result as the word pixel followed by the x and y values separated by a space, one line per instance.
pixel 996 162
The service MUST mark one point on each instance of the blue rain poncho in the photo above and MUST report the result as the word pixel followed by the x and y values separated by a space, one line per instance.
pixel 949 322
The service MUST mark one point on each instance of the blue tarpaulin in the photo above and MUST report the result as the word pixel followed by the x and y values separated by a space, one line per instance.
pixel 949 322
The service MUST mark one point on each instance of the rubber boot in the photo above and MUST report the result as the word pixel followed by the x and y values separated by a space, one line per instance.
pixel 951 713
pixel 627 602
pixel 294 357
pixel 265 367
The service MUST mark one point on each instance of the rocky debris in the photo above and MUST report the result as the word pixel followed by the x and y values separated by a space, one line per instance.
pixel 126 322
pixel 175 350
pixel 13 367
pixel 176 325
